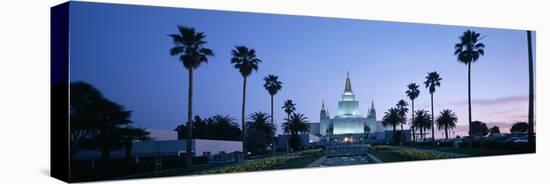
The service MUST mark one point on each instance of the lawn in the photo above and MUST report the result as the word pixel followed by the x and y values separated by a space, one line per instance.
pixel 399 154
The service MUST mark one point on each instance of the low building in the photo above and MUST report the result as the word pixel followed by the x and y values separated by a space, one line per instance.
pixel 200 147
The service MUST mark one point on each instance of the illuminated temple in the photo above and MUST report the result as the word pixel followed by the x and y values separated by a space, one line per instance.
pixel 348 120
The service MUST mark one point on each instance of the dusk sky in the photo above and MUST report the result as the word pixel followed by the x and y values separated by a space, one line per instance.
pixel 124 52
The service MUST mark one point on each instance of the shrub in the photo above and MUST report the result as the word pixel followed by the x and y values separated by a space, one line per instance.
pixel 258 165
pixel 410 154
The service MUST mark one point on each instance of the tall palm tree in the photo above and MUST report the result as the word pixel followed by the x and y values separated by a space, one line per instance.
pixel 289 107
pixel 447 120
pixel 413 93
pixel 468 51
pixel 402 107
pixel 297 123
pixel 432 81
pixel 531 137
pixel 189 45
pixel 272 85
pixel 392 119
pixel 422 120
pixel 245 60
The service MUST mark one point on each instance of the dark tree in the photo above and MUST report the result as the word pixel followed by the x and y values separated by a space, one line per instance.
pixel 392 119
pixel 479 129
pixel 296 124
pixel 244 60
pixel 422 121
pixel 85 110
pixel 433 81
pixel 259 132
pixel 402 107
pixel 447 120
pixel 468 50
pixel 520 128
pixel 189 46
pixel 272 85
pixel 289 107
pixel 494 130
pixel 413 93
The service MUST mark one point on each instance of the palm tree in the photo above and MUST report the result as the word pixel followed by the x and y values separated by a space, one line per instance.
pixel 432 81
pixel 272 85
pixel 392 119
pixel 468 51
pixel 447 120
pixel 297 123
pixel 531 136
pixel 402 107
pixel 289 107
pixel 259 130
pixel 245 60
pixel 366 129
pixel 189 46
pixel 413 93
pixel 422 120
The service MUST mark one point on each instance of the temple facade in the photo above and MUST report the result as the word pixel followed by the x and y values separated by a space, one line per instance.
pixel 348 120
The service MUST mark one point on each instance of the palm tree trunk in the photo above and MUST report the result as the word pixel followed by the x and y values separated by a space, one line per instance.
pixel 433 127
pixel 242 120
pixel 288 138
pixel 531 130
pixel 412 127
pixel 469 102
pixel 272 126
pixel 402 136
pixel 446 133
pixel 394 134
pixel 189 155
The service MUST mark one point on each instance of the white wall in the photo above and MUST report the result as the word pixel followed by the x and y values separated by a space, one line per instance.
pixel 216 146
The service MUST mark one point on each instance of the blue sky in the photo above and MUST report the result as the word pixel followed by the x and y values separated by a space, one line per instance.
pixel 124 52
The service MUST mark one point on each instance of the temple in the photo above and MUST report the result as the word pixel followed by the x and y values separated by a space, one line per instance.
pixel 348 121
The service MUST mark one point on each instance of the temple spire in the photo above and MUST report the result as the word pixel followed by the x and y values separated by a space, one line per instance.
pixel 323 106
pixel 348 84
pixel 372 105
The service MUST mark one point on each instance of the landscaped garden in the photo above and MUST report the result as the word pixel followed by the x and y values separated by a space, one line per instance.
pixel 292 160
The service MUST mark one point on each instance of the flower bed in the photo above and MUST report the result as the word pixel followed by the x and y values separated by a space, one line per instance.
pixel 276 162
pixel 410 154
pixel 258 165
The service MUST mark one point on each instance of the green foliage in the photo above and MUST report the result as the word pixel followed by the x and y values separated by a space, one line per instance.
pixel 432 81
pixel 245 60
pixel 272 84
pixel 519 128
pixel 218 127
pixel 189 46
pixel 270 163
pixel 411 154
pixel 98 123
pixel 494 130
pixel 295 124
pixel 289 107
pixel 259 132
pixel 479 128
pixel 469 49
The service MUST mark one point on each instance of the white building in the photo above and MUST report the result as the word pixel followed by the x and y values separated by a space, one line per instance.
pixel 348 120
pixel 200 147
